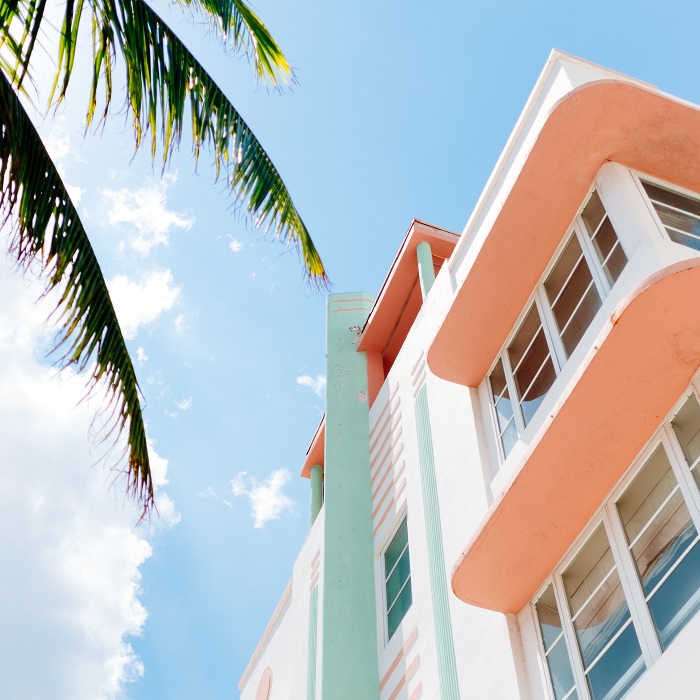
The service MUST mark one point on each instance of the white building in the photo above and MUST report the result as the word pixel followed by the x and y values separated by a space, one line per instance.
pixel 509 449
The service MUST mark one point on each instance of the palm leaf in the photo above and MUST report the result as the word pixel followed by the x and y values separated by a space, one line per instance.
pixel 163 79
pixel 46 228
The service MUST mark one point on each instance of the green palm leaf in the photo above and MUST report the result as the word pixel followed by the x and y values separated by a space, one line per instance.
pixel 46 228
pixel 166 84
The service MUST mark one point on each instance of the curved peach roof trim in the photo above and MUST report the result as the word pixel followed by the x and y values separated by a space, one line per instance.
pixel 596 123
pixel 643 359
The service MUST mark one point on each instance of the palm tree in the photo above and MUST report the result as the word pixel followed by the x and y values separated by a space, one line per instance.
pixel 165 83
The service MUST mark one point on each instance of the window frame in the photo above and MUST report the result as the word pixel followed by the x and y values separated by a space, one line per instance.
pixel 607 515
pixel 539 298
pixel 640 178
pixel 400 520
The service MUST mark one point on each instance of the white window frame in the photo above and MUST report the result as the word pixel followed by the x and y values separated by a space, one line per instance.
pixel 608 516
pixel 550 328
pixel 682 191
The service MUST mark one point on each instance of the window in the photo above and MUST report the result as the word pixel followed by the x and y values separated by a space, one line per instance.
pixel 679 214
pixel 616 603
pixel 397 579
pixel 564 305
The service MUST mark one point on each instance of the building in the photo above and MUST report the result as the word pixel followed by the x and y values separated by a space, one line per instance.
pixel 509 452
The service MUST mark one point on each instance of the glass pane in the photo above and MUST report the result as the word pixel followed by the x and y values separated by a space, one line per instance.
pixel 686 425
pixel 618 669
pixel 654 517
pixel 582 317
pixel 596 600
pixel 509 438
pixel 538 390
pixel 395 548
pixel 560 670
pixel 662 540
pixel 548 617
pixel 399 576
pixel 399 610
pixel 605 242
pixel 678 599
pixel 527 331
pixel 679 214
pixel 593 213
pixel 561 271
pixel 530 359
pixel 555 645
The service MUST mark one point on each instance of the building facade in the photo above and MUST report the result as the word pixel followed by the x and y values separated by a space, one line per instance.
pixel 505 497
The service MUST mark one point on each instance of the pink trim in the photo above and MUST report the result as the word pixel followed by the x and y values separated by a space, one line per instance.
pixel 392 453
pixel 643 359
pixel 410 672
pixel 386 493
pixel 317 556
pixel 316 452
pixel 376 489
pixel 417 693
pixel 393 502
pixel 410 641
pixel 392 435
pixel 314 581
pixel 389 422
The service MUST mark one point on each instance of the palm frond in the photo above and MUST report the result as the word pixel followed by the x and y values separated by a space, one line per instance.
pixel 163 79
pixel 46 228
pixel 242 29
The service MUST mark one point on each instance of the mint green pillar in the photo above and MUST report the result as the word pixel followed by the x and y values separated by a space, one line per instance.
pixel 349 667
pixel 316 492
pixel 426 271
pixel 447 664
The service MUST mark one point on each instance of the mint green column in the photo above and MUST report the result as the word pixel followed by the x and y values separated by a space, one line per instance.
pixel 313 634
pixel 349 666
pixel 316 492
pixel 426 271
pixel 447 665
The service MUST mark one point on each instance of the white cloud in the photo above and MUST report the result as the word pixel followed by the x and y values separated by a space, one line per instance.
pixel 316 384
pixel 138 304
pixel 76 193
pixel 71 594
pixel 267 499
pixel 146 208
pixel 57 141
pixel 141 356
pixel 184 404
pixel 236 246
pixel 181 323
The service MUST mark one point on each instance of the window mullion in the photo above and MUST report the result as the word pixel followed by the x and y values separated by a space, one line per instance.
pixel 631 585
pixel 591 257
pixel 570 639
pixel 549 328
pixel 513 393
pixel 684 476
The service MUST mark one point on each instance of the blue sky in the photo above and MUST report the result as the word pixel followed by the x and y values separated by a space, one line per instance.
pixel 401 111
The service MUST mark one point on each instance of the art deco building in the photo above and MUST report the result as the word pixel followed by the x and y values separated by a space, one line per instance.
pixel 505 485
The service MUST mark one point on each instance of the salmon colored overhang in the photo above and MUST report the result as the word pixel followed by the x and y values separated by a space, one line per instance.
pixel 316 452
pixel 599 122
pixel 401 281
pixel 643 359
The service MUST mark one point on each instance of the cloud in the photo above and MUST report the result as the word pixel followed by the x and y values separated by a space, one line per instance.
pixel 184 404
pixel 236 246
pixel 138 304
pixel 316 384
pixel 267 499
pixel 71 595
pixel 57 142
pixel 141 356
pixel 146 208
